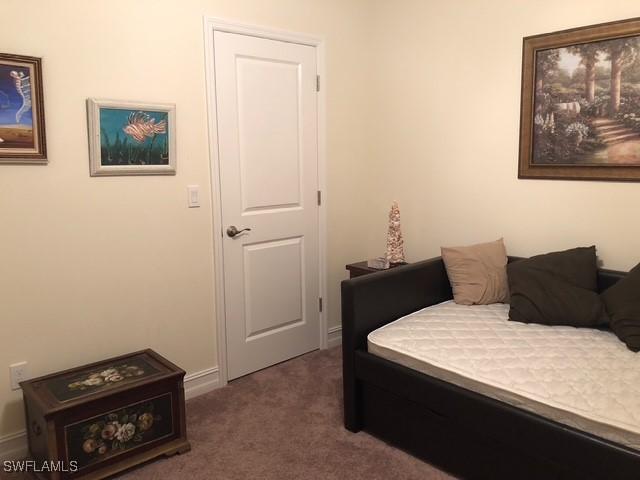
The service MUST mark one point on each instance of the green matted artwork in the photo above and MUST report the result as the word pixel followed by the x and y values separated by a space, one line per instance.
pixel 131 138
pixel 580 116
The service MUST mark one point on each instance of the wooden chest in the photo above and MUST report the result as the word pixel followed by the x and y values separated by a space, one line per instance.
pixel 94 421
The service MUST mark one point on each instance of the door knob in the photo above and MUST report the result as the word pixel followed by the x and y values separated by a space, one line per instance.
pixel 232 231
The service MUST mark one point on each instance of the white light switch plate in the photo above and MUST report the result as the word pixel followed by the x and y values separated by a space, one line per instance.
pixel 194 196
pixel 18 374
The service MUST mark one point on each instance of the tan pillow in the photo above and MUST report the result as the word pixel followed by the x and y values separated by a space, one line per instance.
pixel 478 273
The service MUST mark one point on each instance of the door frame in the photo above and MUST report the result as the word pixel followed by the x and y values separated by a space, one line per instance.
pixel 211 25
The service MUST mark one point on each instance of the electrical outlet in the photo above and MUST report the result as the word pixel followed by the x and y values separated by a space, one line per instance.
pixel 18 374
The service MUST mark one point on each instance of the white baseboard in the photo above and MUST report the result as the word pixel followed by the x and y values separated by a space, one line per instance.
pixel 14 446
pixel 334 336
pixel 199 383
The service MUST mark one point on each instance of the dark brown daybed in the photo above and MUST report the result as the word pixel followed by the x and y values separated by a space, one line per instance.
pixel 466 433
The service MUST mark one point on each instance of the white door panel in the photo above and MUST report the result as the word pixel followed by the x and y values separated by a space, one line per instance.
pixel 267 141
pixel 268 89
pixel 268 266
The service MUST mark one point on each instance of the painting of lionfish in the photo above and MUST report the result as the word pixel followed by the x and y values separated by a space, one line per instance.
pixel 133 137
pixel 141 126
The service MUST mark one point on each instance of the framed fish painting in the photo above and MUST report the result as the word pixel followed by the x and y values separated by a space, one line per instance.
pixel 22 135
pixel 131 138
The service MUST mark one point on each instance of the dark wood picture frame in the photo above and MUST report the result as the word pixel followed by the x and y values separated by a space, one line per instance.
pixel 23 145
pixel 577 168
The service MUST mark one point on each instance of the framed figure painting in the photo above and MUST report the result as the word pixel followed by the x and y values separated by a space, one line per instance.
pixel 580 107
pixel 22 133
pixel 131 138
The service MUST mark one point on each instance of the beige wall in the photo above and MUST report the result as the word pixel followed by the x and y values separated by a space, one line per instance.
pixel 95 267
pixel 447 97
pixel 423 107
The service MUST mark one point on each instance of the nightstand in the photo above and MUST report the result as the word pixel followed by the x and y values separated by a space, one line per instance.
pixel 360 268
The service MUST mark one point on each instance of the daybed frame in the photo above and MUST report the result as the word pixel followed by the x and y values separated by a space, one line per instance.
pixel 465 433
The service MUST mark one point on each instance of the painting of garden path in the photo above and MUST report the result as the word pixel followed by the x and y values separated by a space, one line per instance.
pixel 587 104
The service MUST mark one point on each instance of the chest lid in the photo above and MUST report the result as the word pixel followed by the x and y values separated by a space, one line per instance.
pixel 63 390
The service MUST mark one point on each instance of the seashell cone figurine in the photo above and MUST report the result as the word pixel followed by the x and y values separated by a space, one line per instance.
pixel 395 244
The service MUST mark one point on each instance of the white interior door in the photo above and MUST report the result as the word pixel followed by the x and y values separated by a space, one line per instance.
pixel 266 104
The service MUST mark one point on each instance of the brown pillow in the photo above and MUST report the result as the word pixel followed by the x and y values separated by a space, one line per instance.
pixel 478 273
pixel 557 288
pixel 622 302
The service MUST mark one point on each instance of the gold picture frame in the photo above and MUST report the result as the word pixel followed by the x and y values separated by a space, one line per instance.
pixel 579 105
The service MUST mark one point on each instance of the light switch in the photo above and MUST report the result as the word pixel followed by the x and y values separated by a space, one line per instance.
pixel 194 195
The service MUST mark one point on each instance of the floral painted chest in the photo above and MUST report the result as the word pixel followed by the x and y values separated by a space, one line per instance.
pixel 94 421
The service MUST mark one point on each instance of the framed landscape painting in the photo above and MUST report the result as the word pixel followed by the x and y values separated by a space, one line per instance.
pixel 22 135
pixel 580 111
pixel 131 138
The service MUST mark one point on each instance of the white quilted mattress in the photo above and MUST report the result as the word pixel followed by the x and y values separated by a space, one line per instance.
pixel 580 377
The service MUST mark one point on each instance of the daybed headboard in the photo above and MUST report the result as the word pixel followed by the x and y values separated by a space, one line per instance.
pixel 606 278
pixel 370 301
